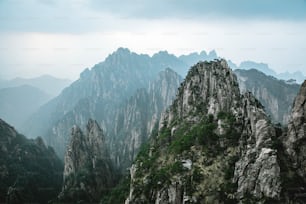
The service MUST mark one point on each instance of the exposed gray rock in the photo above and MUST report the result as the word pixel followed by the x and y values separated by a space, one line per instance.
pixel 295 140
pixel 257 171
pixel 139 116
pixel 88 172
pixel 125 94
pixel 243 135
pixel 208 88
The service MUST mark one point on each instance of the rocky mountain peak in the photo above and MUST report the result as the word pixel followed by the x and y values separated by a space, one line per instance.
pixel 210 87
pixel 88 170
pixel 96 139
pixel 212 55
pixel 213 133
pixel 162 55
pixel 120 52
pixel 93 128
pixel 120 55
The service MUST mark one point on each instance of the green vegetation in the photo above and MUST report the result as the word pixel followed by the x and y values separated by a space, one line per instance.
pixel 33 171
pixel 144 159
pixel 182 143
pixel 160 163
pixel 119 193
pixel 196 174
pixel 176 168
pixel 165 132
pixel 232 135
pixel 187 136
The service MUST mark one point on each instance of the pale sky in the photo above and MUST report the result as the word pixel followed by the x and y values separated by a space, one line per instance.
pixel 62 38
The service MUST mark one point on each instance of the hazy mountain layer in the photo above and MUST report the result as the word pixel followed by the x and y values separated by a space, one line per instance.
pixel 17 104
pixel 297 77
pixel 104 93
pixel 276 95
pixel 49 84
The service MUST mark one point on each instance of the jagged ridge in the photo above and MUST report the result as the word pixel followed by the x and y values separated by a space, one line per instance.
pixel 88 172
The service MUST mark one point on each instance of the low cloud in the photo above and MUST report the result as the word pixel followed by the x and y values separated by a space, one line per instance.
pixel 199 9
pixel 79 16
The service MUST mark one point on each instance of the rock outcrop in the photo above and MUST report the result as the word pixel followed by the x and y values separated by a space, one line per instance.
pixel 214 145
pixel 30 172
pixel 88 173
pixel 257 171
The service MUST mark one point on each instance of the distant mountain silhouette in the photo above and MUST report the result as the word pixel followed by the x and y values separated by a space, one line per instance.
pixel 18 103
pixel 49 84
pixel 264 68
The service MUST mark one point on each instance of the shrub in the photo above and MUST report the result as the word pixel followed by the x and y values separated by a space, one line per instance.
pixel 176 167
pixel 119 193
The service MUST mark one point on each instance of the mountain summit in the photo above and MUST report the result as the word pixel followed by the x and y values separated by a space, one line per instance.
pixel 215 145
pixel 88 172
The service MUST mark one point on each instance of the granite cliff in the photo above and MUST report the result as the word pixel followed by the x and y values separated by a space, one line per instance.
pixel 88 172
pixel 216 145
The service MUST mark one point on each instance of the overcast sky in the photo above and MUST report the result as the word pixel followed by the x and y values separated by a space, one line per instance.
pixel 62 38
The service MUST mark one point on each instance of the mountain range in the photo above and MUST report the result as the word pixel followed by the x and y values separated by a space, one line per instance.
pixel 20 98
pixel 167 129
pixel 275 95
pixel 104 90
pixel 297 76
pixel 48 84
pixel 216 145
pixel 17 104
pixel 116 88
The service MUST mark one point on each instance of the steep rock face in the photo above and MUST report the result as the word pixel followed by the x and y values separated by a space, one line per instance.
pixel 88 172
pixel 133 119
pixel 137 118
pixel 99 94
pixel 276 95
pixel 257 171
pixel 30 172
pixel 295 140
pixel 214 145
pixel 211 82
